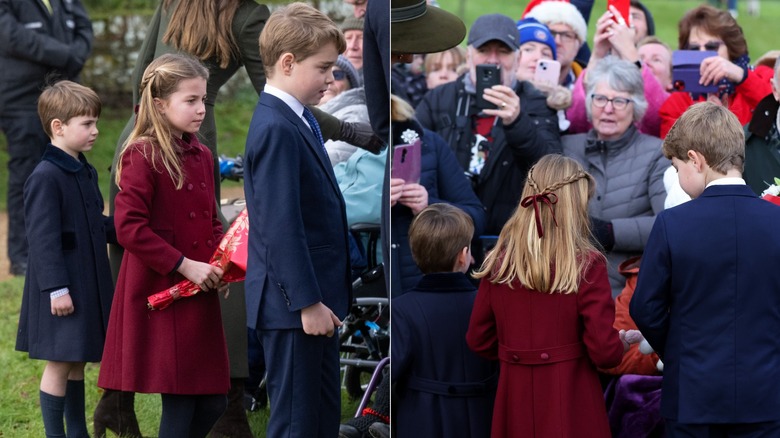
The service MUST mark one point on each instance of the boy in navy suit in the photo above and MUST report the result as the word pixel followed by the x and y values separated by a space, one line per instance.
pixel 298 284
pixel 708 294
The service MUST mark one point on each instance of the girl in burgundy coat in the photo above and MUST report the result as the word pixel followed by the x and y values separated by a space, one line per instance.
pixel 544 309
pixel 166 219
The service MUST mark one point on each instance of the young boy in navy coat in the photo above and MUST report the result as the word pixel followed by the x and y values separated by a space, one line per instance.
pixel 298 284
pixel 68 287
pixel 708 294
pixel 443 388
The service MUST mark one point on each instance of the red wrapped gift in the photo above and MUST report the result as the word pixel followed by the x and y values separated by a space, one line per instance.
pixel 230 256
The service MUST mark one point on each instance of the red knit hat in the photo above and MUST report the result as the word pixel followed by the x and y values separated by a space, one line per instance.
pixel 558 11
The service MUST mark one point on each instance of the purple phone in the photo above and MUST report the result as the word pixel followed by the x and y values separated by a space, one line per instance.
pixel 406 162
pixel 685 71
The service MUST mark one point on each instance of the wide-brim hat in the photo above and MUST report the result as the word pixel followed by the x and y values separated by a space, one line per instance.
pixel 416 27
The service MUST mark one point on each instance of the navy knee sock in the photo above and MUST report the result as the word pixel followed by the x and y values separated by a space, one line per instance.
pixel 75 417
pixel 52 408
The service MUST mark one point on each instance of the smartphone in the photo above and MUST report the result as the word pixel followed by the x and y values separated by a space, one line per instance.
pixel 407 162
pixel 622 6
pixel 547 72
pixel 488 75
pixel 686 67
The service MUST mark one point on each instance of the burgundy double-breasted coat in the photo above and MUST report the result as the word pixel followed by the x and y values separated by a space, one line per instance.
pixel 180 349
pixel 549 346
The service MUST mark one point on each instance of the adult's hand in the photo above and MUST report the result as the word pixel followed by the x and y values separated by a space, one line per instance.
pixel 415 197
pixel 715 68
pixel 396 190
pixel 506 101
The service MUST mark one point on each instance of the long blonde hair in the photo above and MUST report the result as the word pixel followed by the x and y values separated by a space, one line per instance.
pixel 546 244
pixel 161 79
pixel 203 28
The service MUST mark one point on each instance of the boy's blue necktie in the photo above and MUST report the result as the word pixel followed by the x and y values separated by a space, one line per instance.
pixel 315 127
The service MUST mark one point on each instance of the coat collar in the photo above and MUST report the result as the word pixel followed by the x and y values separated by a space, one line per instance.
pixel 764 116
pixel 611 147
pixel 188 143
pixel 728 190
pixel 445 282
pixel 62 160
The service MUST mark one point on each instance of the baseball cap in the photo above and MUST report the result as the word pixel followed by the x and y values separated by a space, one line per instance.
pixel 494 27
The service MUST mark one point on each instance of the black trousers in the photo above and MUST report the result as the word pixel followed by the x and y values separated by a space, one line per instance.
pixel 26 143
pixel 768 429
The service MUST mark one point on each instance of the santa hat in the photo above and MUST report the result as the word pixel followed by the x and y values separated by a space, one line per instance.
pixel 558 11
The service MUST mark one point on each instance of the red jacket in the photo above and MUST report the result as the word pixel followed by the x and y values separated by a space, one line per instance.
pixel 549 346
pixel 741 103
pixel 181 349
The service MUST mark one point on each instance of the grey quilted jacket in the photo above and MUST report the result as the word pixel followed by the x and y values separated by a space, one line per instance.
pixel 630 190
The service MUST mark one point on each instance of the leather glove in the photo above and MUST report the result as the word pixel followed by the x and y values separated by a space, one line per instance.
pixel 361 135
pixel 603 233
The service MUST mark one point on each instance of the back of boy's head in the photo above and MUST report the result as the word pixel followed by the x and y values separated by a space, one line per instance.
pixel 437 235
pixel 711 130
pixel 64 100
pixel 298 29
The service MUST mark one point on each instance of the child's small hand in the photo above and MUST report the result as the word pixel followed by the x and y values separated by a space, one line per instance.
pixel 62 306
pixel 206 276
pixel 634 336
pixel 318 320
pixel 626 345
pixel 223 289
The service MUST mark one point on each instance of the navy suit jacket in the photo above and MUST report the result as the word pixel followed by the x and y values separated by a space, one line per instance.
pixel 708 301
pixel 298 248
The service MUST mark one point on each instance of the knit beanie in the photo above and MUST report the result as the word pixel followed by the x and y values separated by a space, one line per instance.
pixel 648 16
pixel 553 12
pixel 351 23
pixel 532 30
pixel 352 75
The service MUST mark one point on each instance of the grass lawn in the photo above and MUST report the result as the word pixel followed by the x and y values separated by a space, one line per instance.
pixel 20 415
pixel 667 14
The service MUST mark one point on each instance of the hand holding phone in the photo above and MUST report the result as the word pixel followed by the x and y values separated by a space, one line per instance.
pixel 406 163
pixel 624 8
pixel 686 71
pixel 488 75
pixel 547 72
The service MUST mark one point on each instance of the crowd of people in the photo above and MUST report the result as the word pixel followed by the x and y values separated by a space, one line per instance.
pixel 584 204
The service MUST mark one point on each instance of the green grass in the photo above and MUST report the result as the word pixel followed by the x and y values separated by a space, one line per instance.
pixel 20 415
pixel 667 14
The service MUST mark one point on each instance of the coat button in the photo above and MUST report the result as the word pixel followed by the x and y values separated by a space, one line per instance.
pixel 192 215
pixel 189 186
pixel 197 158
pixel 205 213
pixel 210 243
pixel 515 358
pixel 544 356
pixel 202 185
pixel 195 244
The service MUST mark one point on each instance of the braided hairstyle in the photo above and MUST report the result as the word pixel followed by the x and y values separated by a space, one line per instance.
pixel 152 131
pixel 555 200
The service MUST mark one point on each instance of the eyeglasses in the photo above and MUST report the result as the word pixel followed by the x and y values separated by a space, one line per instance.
pixel 712 46
pixel 339 75
pixel 619 103
pixel 565 36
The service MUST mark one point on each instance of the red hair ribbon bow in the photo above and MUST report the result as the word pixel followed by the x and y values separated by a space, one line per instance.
pixel 545 198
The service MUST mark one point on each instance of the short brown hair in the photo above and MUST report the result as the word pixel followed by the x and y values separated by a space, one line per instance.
pixel 298 29
pixel 716 22
pixel 64 100
pixel 437 235
pixel 711 130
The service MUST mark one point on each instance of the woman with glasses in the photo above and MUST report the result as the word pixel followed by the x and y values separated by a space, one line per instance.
pixel 740 88
pixel 628 166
